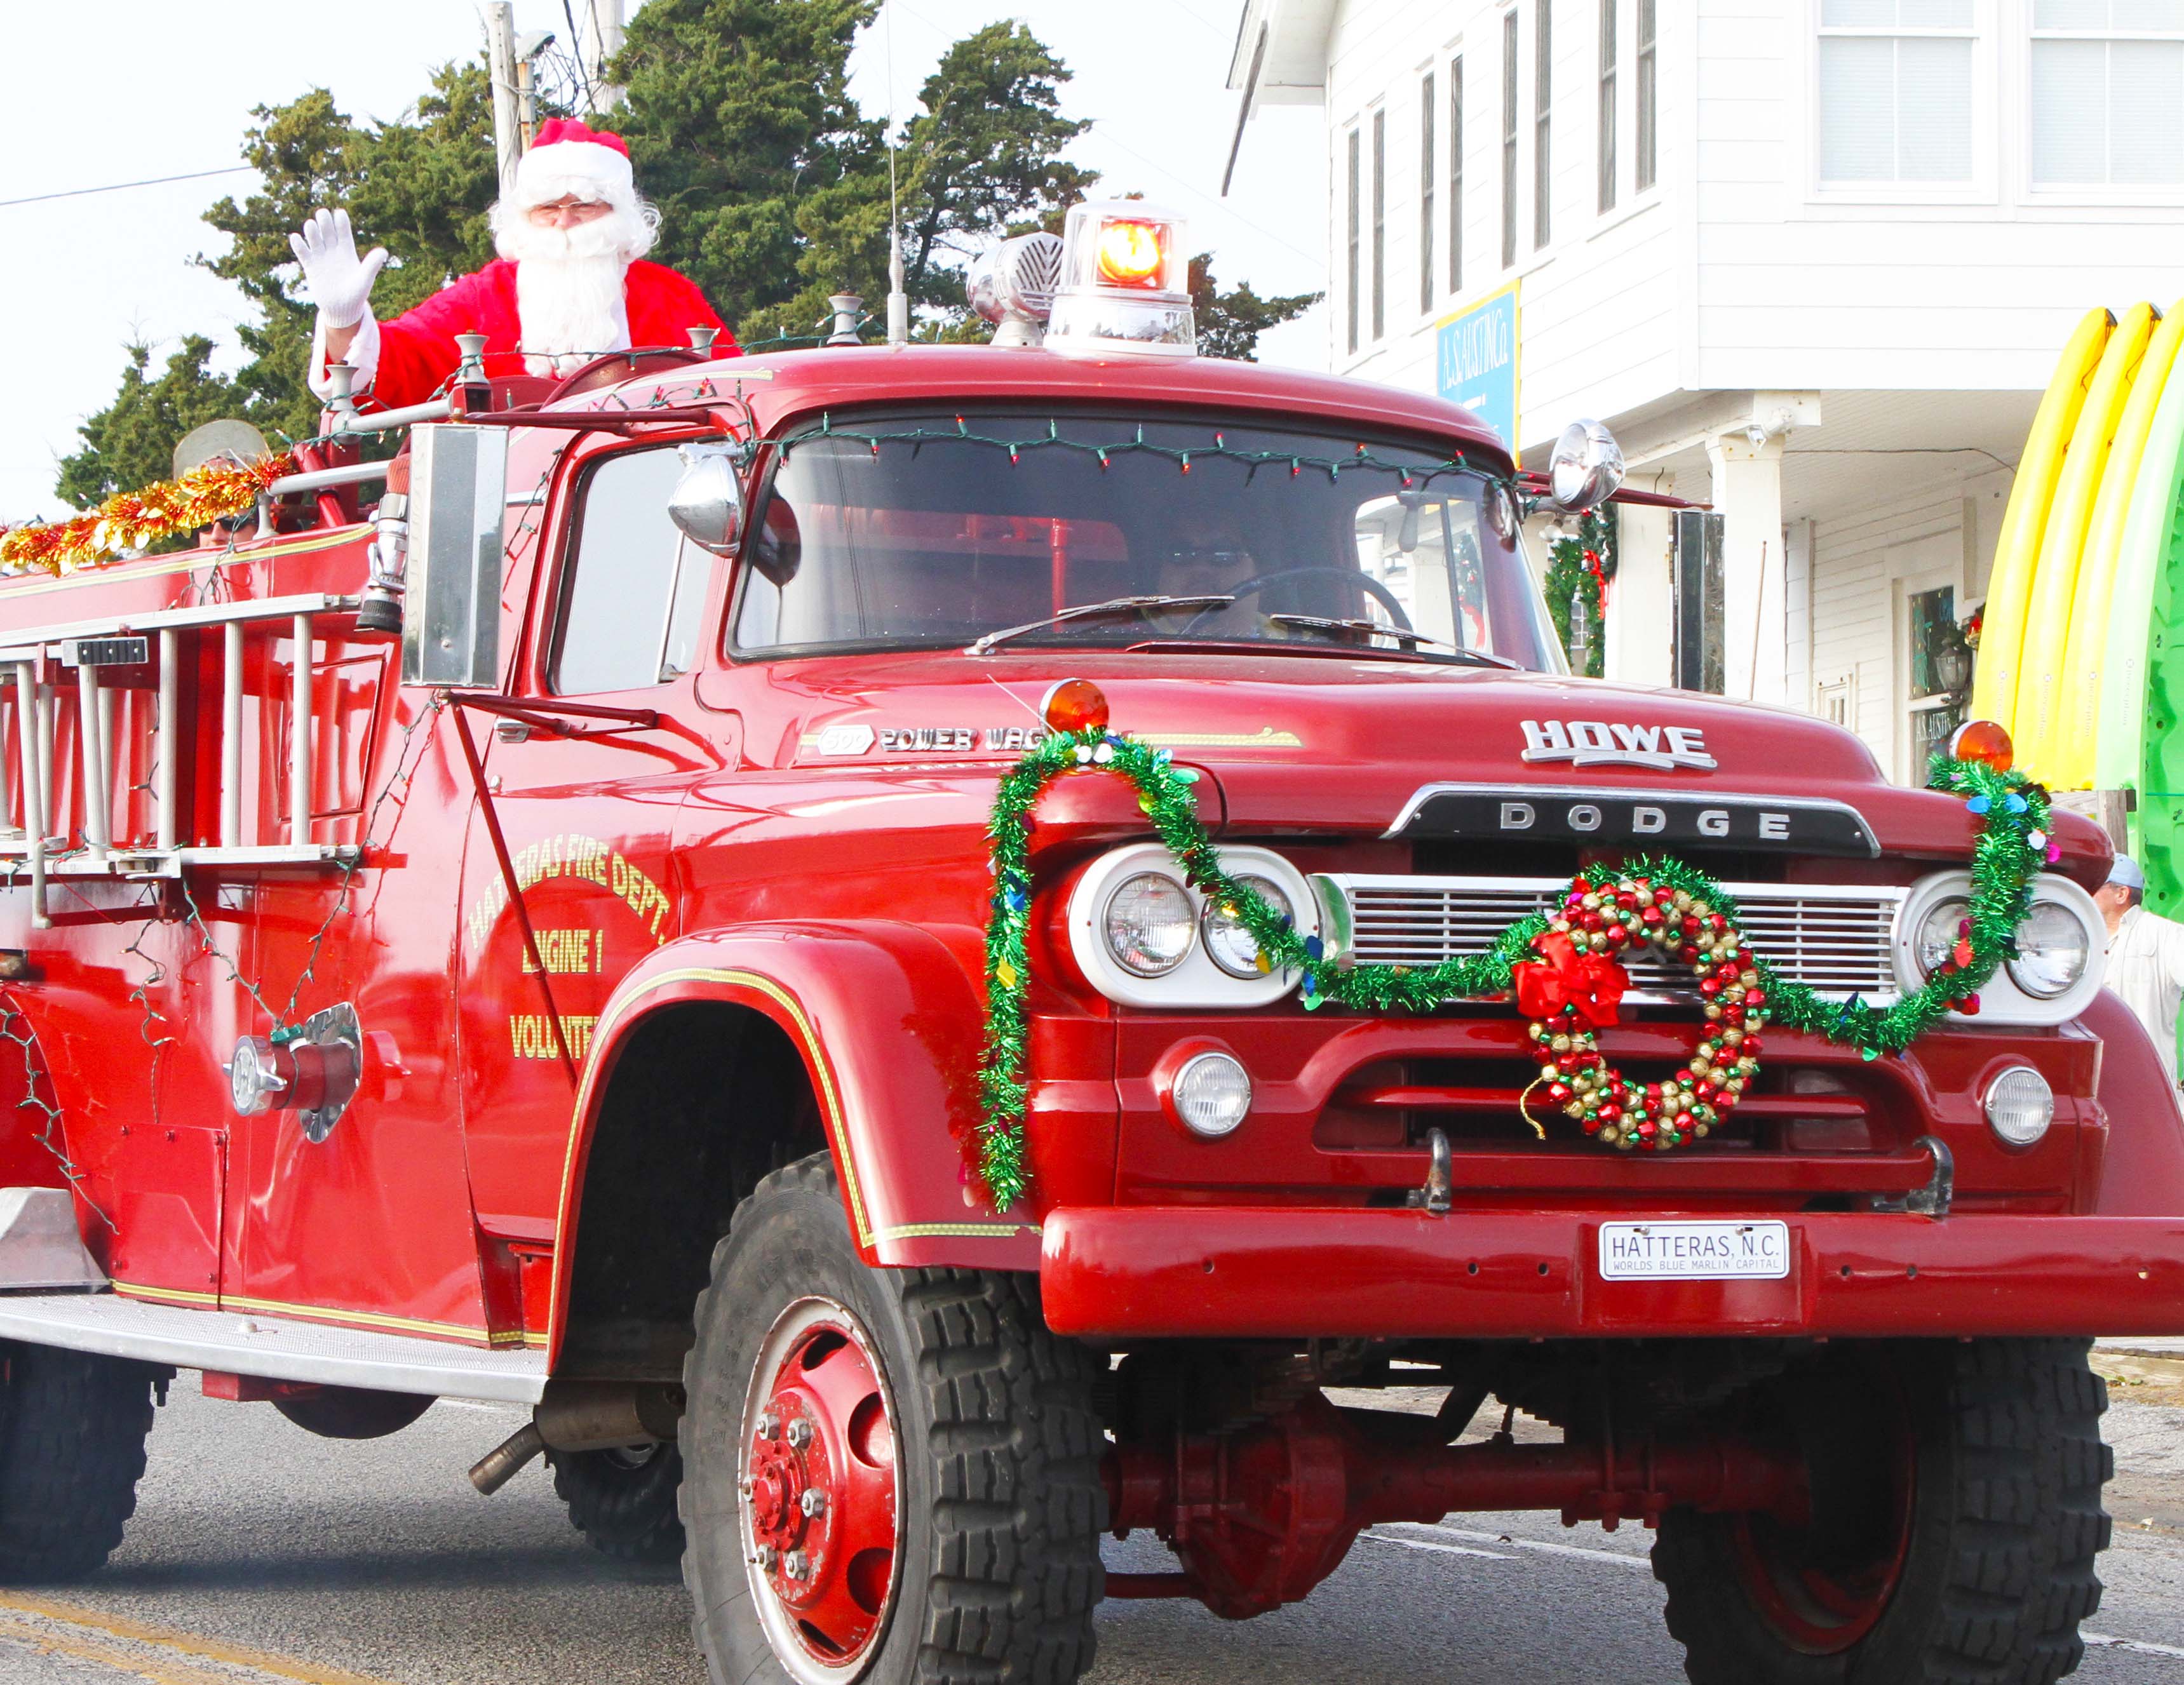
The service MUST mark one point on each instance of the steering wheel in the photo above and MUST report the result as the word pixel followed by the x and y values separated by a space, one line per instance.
pixel 1364 583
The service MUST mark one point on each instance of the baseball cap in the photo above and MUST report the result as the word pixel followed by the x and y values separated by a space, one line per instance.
pixel 2127 872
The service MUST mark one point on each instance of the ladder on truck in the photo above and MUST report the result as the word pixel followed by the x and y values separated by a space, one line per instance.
pixel 35 840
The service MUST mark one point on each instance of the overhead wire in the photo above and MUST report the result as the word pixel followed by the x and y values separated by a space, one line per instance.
pixel 120 187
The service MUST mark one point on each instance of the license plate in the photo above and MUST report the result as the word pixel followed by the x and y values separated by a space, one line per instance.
pixel 1694 1252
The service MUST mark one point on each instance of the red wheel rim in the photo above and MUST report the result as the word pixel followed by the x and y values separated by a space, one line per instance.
pixel 1825 1609
pixel 821 1520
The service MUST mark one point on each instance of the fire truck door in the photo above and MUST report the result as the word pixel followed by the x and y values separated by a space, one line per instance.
pixel 586 809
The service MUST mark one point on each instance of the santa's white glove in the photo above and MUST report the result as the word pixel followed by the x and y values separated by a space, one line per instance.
pixel 340 281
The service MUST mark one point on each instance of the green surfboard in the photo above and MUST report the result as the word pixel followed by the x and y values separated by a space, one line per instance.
pixel 2140 745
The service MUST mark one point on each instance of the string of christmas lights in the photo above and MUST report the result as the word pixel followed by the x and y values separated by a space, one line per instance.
pixel 1182 456
pixel 2011 848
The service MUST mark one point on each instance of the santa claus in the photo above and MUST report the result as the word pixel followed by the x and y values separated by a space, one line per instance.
pixel 571 282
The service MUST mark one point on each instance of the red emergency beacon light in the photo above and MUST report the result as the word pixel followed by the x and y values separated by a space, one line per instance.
pixel 1125 285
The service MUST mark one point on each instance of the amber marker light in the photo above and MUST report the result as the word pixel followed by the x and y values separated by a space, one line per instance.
pixel 1983 741
pixel 1075 705
pixel 1130 253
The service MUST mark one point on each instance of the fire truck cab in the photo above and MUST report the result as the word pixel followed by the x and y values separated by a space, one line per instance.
pixel 510 924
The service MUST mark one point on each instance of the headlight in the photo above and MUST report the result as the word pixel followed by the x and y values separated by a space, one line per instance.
pixel 1212 1092
pixel 1149 924
pixel 1227 940
pixel 1937 934
pixel 2019 1105
pixel 2053 948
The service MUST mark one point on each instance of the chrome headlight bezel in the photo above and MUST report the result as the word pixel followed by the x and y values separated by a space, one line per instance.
pixel 2002 1000
pixel 1197 980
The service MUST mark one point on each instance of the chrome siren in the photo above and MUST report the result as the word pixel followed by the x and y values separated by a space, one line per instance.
pixel 1013 286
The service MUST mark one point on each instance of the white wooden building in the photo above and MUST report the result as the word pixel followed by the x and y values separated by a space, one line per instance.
pixel 1812 260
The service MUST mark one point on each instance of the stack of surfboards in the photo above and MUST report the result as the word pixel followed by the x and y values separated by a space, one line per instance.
pixel 2077 654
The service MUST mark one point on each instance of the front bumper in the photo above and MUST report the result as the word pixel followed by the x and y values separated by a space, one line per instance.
pixel 1256 1272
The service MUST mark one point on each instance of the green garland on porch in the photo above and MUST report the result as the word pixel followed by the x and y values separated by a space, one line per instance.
pixel 2011 848
pixel 1583 563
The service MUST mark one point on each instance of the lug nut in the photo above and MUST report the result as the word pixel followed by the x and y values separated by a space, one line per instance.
pixel 799 1433
pixel 798 1565
pixel 813 1502
pixel 769 1424
pixel 767 1556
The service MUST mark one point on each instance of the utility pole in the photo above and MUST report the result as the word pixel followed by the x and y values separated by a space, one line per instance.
pixel 500 64
pixel 528 47
pixel 605 41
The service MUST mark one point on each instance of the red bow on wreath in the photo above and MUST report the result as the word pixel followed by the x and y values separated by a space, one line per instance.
pixel 1589 984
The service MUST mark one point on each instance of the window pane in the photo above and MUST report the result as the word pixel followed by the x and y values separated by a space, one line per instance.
pixel 1350 290
pixel 1607 120
pixel 1875 14
pixel 1936 14
pixel 2146 129
pixel 1858 109
pixel 1543 105
pixel 1379 223
pixel 1643 165
pixel 615 593
pixel 1456 176
pixel 2069 111
pixel 1508 138
pixel 2071 15
pixel 1934 110
pixel 1429 173
pixel 2149 14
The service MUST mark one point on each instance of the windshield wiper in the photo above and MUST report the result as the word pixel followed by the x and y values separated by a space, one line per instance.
pixel 1086 611
pixel 1329 623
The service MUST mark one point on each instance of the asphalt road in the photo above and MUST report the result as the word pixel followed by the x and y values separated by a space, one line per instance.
pixel 260 1553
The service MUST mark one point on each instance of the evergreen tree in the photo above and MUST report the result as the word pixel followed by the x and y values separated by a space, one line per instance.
pixel 131 441
pixel 1229 323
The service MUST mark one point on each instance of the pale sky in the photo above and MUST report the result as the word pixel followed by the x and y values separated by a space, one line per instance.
pixel 116 91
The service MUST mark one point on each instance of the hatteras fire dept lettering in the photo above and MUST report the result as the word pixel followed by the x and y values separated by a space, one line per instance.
pixel 1605 743
pixel 578 857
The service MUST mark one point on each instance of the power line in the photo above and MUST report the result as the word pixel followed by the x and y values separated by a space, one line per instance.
pixel 118 186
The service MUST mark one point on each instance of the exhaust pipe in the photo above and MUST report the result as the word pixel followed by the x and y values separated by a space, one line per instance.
pixel 583 1415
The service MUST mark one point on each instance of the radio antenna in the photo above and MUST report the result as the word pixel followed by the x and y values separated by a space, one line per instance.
pixel 898 303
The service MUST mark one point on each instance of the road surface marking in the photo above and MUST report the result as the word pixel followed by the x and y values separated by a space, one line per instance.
pixel 1628 1559
pixel 167 1670
pixel 1439 1550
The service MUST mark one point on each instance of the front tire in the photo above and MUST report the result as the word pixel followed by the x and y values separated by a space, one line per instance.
pixel 72 1429
pixel 1956 1515
pixel 890 1475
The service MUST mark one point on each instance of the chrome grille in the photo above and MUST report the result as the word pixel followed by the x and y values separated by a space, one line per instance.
pixel 1833 938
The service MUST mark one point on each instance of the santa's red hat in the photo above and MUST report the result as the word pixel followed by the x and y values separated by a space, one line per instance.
pixel 570 160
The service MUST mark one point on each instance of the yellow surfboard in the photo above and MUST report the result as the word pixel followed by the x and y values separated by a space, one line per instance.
pixel 2054 583
pixel 2072 749
pixel 2017 551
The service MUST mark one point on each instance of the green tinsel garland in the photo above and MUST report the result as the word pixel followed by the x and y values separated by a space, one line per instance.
pixel 2011 848
pixel 1568 573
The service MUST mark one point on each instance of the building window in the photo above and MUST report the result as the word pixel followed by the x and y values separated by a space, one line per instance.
pixel 1428 175
pixel 1939 667
pixel 1542 114
pixel 2108 92
pixel 1896 90
pixel 1508 138
pixel 1379 223
pixel 1607 105
pixel 1649 102
pixel 1456 174
pixel 1351 290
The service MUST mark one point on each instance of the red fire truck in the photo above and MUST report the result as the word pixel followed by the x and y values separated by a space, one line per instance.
pixel 508 922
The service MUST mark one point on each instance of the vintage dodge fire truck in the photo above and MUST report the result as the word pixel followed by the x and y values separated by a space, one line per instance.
pixel 509 920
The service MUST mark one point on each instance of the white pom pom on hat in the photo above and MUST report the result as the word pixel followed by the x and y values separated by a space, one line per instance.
pixel 570 160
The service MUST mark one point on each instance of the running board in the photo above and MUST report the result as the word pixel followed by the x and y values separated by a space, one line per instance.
pixel 278 1348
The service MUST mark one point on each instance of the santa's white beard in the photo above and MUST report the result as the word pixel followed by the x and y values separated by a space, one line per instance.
pixel 568 294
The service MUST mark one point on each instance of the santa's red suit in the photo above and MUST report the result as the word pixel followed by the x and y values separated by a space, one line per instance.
pixel 557 297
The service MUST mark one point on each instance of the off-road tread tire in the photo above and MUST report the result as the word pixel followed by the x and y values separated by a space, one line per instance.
pixel 1018 1505
pixel 2007 1577
pixel 72 1430
pixel 630 1515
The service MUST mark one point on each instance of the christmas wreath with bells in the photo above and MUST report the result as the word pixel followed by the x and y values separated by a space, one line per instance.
pixel 1566 972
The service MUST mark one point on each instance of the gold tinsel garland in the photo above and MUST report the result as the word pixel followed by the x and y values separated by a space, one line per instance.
pixel 131 520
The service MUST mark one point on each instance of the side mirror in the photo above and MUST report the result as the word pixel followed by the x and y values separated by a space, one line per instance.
pixel 1586 469
pixel 458 505
pixel 707 503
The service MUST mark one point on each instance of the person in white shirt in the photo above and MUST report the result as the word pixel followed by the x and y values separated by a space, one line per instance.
pixel 2146 957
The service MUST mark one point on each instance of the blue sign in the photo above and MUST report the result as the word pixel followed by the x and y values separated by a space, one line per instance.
pixel 1476 362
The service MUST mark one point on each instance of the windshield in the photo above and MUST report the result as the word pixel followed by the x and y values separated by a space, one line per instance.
pixel 950 536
